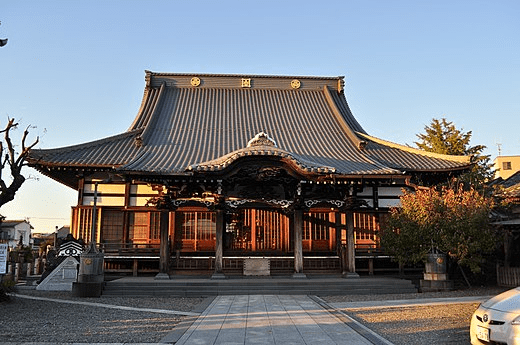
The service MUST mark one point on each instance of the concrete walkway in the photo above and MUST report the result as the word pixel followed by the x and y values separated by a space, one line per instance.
pixel 270 319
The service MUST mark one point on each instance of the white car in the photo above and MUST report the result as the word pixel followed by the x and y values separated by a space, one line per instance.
pixel 497 321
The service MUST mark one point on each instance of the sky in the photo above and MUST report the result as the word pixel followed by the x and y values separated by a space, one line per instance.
pixel 74 70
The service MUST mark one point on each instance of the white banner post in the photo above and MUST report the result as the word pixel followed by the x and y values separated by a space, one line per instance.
pixel 3 261
pixel 3 258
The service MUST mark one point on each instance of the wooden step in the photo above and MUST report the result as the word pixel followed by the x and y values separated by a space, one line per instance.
pixel 202 287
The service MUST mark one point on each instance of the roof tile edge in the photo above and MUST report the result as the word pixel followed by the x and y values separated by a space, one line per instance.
pixel 453 158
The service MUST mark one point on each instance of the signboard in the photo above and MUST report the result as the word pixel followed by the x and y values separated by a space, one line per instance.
pixel 3 258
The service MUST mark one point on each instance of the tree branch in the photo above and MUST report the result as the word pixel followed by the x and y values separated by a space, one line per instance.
pixel 15 161
pixel 26 149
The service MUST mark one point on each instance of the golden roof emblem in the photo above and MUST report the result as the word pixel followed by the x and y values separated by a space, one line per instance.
pixel 295 84
pixel 195 81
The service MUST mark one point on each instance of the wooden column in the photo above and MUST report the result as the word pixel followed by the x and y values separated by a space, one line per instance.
pixel 351 248
pixel 219 245
pixel 298 248
pixel 164 259
pixel 338 227
pixel 81 191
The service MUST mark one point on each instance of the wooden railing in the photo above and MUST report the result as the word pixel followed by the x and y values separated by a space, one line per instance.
pixel 508 276
pixel 131 248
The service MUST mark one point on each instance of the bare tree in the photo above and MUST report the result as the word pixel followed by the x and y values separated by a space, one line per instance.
pixel 12 160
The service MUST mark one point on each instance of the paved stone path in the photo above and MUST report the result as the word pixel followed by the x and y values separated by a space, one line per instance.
pixel 269 319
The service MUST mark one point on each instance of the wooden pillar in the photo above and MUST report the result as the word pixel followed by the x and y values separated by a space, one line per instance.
pixel 340 244
pixel 81 190
pixel 164 252
pixel 338 226
pixel 351 247
pixel 298 248
pixel 135 268
pixel 219 245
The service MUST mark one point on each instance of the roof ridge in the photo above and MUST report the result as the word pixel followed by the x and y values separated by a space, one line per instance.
pixel 224 161
pixel 454 158
pixel 343 124
pixel 150 125
pixel 148 72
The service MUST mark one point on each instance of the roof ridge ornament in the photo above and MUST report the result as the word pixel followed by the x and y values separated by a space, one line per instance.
pixel 341 84
pixel 262 139
pixel 138 141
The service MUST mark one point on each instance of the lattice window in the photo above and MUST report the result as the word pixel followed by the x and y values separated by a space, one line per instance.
pixel 198 225
pixel 155 225
pixel 143 226
pixel 367 227
pixel 83 222
pixel 206 225
pixel 188 225
pixel 317 226
pixel 319 233
pixel 270 230
pixel 258 230
pixel 112 223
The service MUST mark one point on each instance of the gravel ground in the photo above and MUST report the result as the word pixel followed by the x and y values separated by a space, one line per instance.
pixel 447 324
pixel 436 324
pixel 476 291
pixel 51 322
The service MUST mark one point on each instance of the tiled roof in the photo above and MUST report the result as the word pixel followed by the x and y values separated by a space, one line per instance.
pixel 110 152
pixel 204 122
pixel 410 159
pixel 512 186
pixel 12 223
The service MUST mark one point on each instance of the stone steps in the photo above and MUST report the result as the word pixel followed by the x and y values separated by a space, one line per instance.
pixel 199 287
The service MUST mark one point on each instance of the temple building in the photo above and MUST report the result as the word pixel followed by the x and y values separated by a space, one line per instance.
pixel 217 170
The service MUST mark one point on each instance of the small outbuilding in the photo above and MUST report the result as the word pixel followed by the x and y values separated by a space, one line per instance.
pixel 15 232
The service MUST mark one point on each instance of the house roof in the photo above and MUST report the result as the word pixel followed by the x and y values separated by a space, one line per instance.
pixel 198 122
pixel 13 223
pixel 511 186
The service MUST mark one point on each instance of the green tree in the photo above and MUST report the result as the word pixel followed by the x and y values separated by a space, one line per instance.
pixel 453 221
pixel 441 136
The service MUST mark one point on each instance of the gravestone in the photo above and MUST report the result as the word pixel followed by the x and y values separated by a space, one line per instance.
pixel 62 277
pixel 62 266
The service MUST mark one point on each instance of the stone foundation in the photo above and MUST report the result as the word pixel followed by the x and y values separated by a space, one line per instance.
pixel 436 285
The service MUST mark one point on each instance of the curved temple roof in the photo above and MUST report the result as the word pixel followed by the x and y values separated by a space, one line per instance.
pixel 198 122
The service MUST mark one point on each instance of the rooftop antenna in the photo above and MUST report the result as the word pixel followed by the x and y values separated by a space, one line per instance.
pixel 499 146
